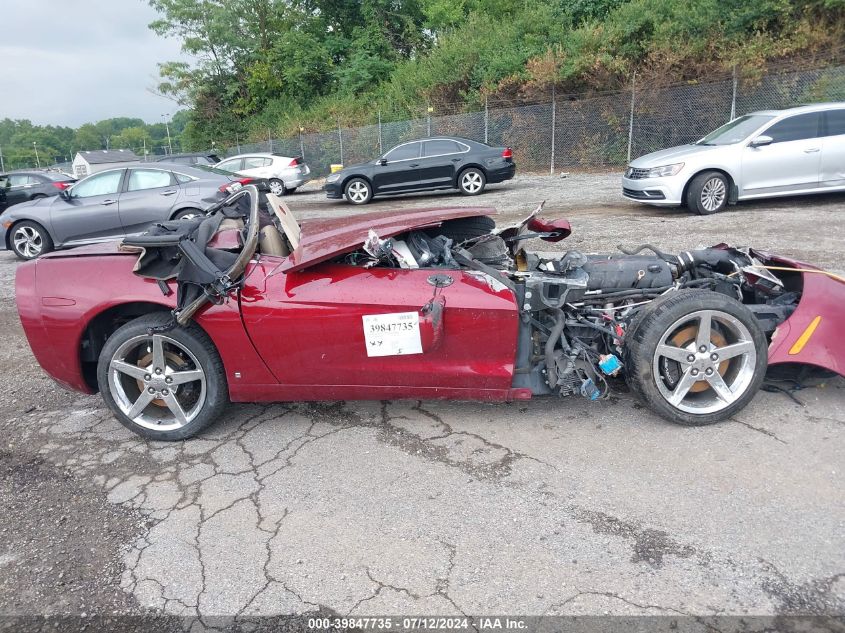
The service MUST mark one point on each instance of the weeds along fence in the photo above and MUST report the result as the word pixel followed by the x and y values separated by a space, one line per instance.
pixel 573 131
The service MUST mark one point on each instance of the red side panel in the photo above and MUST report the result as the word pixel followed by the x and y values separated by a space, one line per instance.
pixel 822 297
pixel 308 327
pixel 58 297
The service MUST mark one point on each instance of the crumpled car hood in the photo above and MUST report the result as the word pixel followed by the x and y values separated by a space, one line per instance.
pixel 323 239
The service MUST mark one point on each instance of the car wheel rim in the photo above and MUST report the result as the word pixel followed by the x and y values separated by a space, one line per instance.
pixel 189 216
pixel 713 194
pixel 358 191
pixel 277 188
pixel 157 382
pixel 471 182
pixel 28 241
pixel 710 367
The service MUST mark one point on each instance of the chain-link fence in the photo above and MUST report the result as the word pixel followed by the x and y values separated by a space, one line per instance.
pixel 579 131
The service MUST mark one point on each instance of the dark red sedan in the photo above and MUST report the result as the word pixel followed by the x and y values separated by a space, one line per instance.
pixel 244 305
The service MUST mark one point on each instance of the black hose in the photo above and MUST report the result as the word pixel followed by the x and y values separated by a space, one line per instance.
pixel 555 335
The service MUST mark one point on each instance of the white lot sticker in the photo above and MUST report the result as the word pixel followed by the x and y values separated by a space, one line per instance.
pixel 394 334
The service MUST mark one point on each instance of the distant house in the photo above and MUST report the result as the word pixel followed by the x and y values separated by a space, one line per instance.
pixel 87 163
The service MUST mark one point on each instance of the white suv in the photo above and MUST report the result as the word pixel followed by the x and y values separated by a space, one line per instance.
pixel 759 155
pixel 283 173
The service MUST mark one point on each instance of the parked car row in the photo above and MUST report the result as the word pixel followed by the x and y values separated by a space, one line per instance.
pixel 762 154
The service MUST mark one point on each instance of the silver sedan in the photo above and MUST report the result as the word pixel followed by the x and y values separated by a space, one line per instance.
pixel 762 154
pixel 111 204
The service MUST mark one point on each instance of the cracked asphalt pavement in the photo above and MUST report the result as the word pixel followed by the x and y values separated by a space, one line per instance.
pixel 552 506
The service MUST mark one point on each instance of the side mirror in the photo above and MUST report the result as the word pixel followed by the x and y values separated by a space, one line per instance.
pixel 762 140
pixel 381 161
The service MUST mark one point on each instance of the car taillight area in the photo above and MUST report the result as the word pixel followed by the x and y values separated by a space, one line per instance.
pixel 294 163
pixel 507 154
pixel 61 186
pixel 235 186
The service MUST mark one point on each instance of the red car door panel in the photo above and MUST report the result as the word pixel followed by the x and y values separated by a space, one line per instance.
pixel 308 327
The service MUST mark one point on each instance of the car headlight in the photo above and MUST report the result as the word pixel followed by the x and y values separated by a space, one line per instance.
pixel 332 177
pixel 665 170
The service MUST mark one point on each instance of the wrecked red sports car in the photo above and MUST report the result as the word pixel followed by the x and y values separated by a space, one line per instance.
pixel 244 305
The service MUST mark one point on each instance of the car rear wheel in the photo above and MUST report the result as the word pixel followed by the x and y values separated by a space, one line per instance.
pixel 358 191
pixel 188 214
pixel 708 193
pixel 471 181
pixel 29 240
pixel 695 357
pixel 167 386
pixel 277 187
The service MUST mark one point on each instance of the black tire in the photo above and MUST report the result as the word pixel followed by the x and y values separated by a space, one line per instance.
pixel 188 213
pixel 38 240
pixel 649 374
pixel 291 190
pixel 358 191
pixel 471 181
pixel 463 229
pixel 279 185
pixel 708 193
pixel 204 409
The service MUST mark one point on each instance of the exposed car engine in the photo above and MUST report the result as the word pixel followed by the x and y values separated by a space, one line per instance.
pixel 579 310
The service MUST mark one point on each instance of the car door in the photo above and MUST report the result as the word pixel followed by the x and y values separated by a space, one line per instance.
pixel 148 196
pixel 833 149
pixel 310 327
pixel 398 169
pixel 790 163
pixel 90 210
pixel 256 166
pixel 19 187
pixel 441 158
pixel 233 165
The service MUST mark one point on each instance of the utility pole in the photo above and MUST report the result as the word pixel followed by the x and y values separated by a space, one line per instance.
pixel 430 110
pixel 270 140
pixel 167 127
pixel 2 164
pixel 237 142
pixel 379 132
pixel 486 119
pixel 554 117
pixel 631 118
pixel 340 138
pixel 733 95
pixel 301 144
pixel 37 161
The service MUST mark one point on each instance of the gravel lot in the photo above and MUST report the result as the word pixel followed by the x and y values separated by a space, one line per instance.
pixel 544 507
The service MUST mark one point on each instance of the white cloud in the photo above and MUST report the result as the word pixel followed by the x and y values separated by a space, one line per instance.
pixel 68 63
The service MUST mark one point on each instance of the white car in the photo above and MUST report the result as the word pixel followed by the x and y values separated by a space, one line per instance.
pixel 762 154
pixel 283 173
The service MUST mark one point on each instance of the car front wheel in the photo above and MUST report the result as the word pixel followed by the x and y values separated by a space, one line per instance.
pixel 695 357
pixel 708 193
pixel 163 386
pixel 29 240
pixel 358 191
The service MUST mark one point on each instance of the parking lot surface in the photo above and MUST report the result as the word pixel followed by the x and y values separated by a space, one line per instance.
pixel 552 506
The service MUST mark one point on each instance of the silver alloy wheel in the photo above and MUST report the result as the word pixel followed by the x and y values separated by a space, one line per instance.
pixel 277 187
pixel 27 241
pixel 713 193
pixel 189 216
pixel 158 393
pixel 471 182
pixel 358 191
pixel 726 370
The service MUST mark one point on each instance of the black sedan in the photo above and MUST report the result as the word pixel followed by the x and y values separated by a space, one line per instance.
pixel 424 165
pixel 20 186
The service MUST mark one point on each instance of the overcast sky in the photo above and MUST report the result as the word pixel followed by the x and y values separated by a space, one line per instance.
pixel 68 63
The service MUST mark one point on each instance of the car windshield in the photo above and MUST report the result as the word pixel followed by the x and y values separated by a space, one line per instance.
pixel 736 131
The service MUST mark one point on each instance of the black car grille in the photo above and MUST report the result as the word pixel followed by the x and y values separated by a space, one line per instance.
pixel 635 173
pixel 649 194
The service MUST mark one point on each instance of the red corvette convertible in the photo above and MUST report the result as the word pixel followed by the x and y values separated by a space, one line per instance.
pixel 244 305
